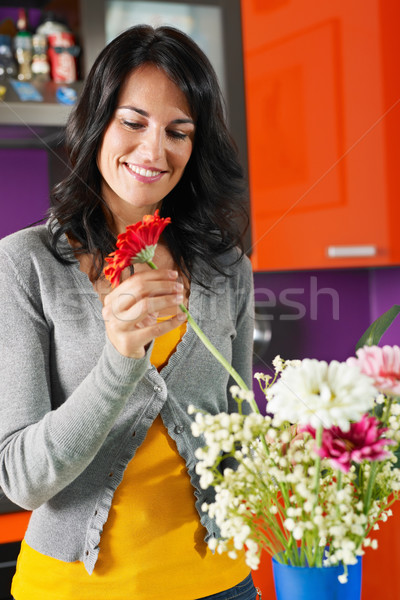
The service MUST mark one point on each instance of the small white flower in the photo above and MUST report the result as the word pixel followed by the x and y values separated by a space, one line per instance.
pixel 262 377
pixel 308 506
pixel 293 363
pixel 289 524
pixel 367 542
pixel 343 578
pixel 298 532
pixel 212 543
pixel 278 364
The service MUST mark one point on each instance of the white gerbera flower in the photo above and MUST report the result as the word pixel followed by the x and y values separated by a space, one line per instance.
pixel 317 393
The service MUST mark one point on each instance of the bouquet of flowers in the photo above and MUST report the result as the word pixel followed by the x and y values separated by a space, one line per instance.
pixel 315 475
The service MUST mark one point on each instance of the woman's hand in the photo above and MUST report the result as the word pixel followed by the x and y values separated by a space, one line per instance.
pixel 130 311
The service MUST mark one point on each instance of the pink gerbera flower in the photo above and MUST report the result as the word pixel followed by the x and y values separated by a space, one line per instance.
pixel 382 364
pixel 363 441
pixel 136 244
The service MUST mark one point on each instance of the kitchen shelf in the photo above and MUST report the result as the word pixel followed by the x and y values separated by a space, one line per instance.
pixel 49 112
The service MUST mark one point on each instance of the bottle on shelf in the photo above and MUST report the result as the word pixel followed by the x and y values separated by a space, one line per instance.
pixel 62 49
pixel 23 54
pixel 23 47
pixel 40 65
pixel 8 68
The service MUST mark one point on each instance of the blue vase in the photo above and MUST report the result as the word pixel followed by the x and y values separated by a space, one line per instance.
pixel 316 583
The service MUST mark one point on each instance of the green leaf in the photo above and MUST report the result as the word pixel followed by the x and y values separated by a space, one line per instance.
pixel 375 331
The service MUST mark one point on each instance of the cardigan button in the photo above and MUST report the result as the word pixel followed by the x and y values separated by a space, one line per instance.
pixel 157 389
pixel 178 428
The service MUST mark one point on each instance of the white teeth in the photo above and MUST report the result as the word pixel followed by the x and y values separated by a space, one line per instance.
pixel 143 172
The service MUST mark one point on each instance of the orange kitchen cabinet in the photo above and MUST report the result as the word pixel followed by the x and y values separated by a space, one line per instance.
pixel 13 526
pixel 323 120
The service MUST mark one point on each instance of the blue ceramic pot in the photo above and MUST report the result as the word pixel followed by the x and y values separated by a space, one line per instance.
pixel 316 583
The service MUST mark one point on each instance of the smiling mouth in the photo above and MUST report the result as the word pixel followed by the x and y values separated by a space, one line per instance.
pixel 143 172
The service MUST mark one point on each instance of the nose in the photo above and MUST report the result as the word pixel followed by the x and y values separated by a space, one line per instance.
pixel 152 144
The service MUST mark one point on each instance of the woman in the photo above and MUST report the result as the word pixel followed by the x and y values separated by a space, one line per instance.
pixel 95 434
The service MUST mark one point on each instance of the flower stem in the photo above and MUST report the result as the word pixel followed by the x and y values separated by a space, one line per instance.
pixel 385 418
pixel 232 372
pixel 370 486
pixel 318 439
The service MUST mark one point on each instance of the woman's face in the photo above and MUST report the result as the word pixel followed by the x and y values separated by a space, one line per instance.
pixel 146 146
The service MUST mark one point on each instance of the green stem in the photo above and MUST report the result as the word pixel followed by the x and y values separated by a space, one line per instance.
pixel 338 488
pixel 386 415
pixel 339 484
pixel 232 372
pixel 370 486
pixel 318 439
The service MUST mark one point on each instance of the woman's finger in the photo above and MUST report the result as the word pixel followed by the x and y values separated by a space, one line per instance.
pixel 132 314
pixel 124 297
pixel 132 343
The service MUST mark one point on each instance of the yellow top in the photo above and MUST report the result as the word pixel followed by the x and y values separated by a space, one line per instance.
pixel 152 545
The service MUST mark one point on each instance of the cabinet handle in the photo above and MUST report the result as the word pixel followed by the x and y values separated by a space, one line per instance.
pixel 352 251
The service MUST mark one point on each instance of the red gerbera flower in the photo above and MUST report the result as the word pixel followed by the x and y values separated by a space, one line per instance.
pixel 136 244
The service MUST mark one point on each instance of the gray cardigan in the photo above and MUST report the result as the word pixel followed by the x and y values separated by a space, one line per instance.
pixel 73 411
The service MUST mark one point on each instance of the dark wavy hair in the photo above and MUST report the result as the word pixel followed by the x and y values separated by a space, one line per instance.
pixel 208 205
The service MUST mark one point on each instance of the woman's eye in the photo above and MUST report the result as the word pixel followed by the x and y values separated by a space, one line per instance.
pixel 132 124
pixel 176 135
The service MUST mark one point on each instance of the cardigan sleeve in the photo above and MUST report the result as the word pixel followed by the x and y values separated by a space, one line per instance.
pixel 43 450
pixel 242 345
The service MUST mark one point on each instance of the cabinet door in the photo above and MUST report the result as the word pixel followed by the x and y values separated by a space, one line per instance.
pixel 323 115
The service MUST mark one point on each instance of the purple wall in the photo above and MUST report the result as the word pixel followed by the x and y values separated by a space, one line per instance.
pixel 322 314
pixel 24 194
pixel 384 293
pixel 316 314
pixel 34 15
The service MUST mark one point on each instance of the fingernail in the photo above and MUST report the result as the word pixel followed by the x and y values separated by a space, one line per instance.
pixel 179 298
pixel 179 286
pixel 173 274
pixel 181 316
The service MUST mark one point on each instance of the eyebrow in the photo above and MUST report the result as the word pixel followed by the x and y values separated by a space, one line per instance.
pixel 144 113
